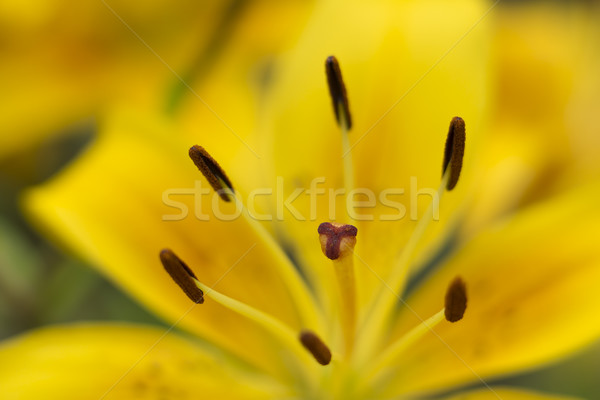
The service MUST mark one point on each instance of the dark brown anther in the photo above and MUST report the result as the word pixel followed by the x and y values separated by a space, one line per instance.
pixel 337 89
pixel 212 171
pixel 316 347
pixel 336 239
pixel 182 275
pixel 454 151
pixel 456 300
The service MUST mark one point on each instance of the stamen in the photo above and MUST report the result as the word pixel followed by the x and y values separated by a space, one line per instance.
pixel 196 290
pixel 454 151
pixel 212 171
pixel 182 275
pixel 456 300
pixel 221 183
pixel 337 89
pixel 278 329
pixel 316 347
pixel 455 305
pixel 339 97
pixel 337 243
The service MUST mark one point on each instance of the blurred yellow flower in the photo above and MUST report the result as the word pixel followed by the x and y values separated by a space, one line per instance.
pixel 530 279
pixel 63 63
pixel 545 98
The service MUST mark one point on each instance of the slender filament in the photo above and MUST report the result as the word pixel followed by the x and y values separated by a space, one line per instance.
pixel 306 304
pixel 393 351
pixel 346 152
pixel 274 326
pixel 384 303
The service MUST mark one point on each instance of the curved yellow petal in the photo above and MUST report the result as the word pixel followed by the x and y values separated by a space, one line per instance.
pixel 532 295
pixel 120 362
pixel 122 202
pixel 495 393
pixel 405 82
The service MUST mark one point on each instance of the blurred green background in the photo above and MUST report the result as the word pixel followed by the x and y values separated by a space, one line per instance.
pixel 40 284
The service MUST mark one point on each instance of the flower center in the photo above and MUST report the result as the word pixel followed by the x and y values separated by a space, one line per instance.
pixel 362 342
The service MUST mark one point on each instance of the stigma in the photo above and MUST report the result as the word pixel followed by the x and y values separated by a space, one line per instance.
pixel 336 239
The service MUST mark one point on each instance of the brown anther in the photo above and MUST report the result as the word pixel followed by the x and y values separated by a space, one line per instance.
pixel 316 347
pixel 337 89
pixel 456 300
pixel 182 275
pixel 454 151
pixel 212 171
pixel 336 239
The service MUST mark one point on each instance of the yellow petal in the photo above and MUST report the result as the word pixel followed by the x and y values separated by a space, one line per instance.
pixel 384 48
pixel 115 208
pixel 119 362
pixel 542 120
pixel 64 62
pixel 495 393
pixel 532 291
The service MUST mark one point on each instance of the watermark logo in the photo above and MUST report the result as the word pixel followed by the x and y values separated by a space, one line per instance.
pixel 300 203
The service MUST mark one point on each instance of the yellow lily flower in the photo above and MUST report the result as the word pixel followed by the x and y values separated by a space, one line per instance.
pixel 550 309
pixel 264 327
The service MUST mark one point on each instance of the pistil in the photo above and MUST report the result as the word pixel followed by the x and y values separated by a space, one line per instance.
pixel 337 243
